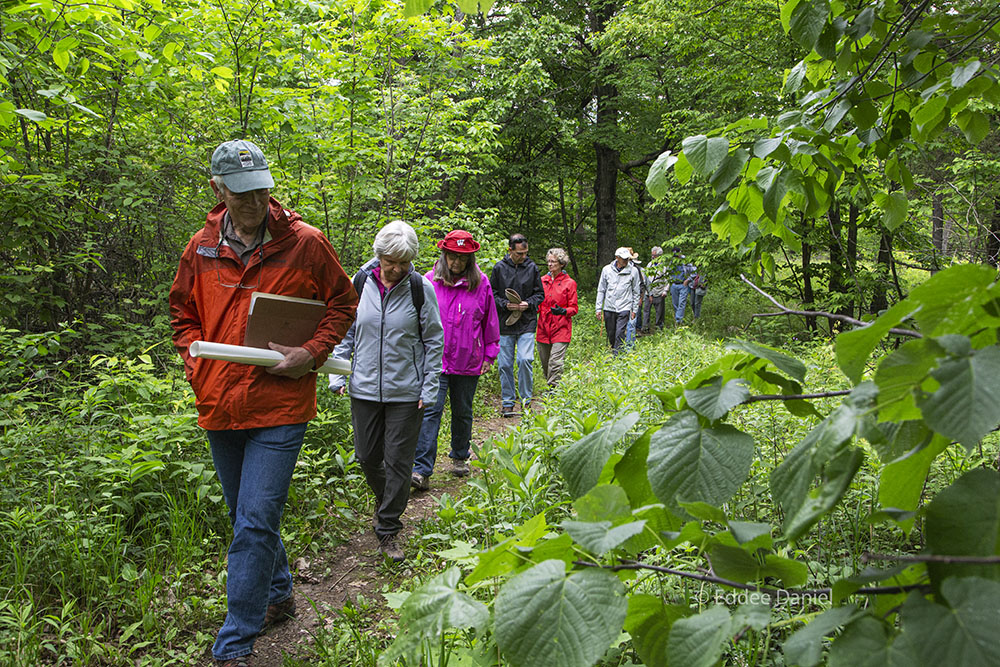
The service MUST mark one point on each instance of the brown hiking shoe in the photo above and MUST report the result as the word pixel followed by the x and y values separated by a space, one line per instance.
pixel 242 661
pixel 460 467
pixel 389 547
pixel 279 612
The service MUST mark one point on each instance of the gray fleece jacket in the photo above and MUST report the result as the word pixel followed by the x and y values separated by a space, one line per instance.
pixel 389 364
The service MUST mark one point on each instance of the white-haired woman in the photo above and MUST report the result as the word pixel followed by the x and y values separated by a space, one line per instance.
pixel 395 347
pixel 555 324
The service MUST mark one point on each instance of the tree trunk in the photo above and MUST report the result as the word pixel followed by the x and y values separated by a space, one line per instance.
pixel 883 269
pixel 606 180
pixel 807 286
pixel 993 236
pixel 937 228
pixel 837 283
pixel 567 237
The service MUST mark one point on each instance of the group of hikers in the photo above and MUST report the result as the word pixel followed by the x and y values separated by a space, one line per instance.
pixel 627 296
pixel 412 341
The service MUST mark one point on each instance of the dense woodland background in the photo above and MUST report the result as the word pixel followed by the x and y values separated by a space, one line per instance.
pixel 842 155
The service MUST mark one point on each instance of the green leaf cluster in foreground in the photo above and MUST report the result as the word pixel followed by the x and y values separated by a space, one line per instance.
pixel 645 501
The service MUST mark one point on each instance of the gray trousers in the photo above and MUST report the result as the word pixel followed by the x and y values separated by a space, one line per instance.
pixel 552 356
pixel 385 441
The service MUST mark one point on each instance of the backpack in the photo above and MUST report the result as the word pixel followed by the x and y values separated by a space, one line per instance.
pixel 416 293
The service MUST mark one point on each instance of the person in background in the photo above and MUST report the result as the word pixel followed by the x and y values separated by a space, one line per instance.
pixel 680 279
pixel 659 282
pixel 255 417
pixel 515 273
pixel 395 348
pixel 471 344
pixel 555 324
pixel 618 297
pixel 698 285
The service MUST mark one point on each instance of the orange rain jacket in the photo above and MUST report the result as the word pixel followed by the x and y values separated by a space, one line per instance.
pixel 207 303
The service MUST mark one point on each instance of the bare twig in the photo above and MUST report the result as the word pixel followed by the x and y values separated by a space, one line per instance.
pixel 792 397
pixel 819 313
pixel 778 593
pixel 932 558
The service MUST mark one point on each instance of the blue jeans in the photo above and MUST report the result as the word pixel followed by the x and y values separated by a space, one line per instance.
pixel 525 344
pixel 255 469
pixel 463 389
pixel 679 297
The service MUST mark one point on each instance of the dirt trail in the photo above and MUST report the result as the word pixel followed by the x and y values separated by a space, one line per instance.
pixel 356 567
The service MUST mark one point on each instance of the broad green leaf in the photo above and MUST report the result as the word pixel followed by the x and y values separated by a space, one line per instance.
pixel 747 533
pixel 792 573
pixel 495 562
pixel 656 179
pixel 807 21
pixel 648 622
pixel 928 113
pixel 853 347
pixel 794 78
pixel 151 32
pixel 836 114
pixel 805 647
pixel 704 153
pixel 605 502
pixel 791 480
pixel 630 472
pixel 843 588
pixel 837 473
pixel 895 205
pixel 765 147
pixel 61 59
pixel 733 563
pixel 964 520
pixel 868 642
pixel 900 376
pixel 697 641
pixel 774 195
pixel 689 463
pixel 729 170
pixel 786 13
pixel 222 72
pixel 682 169
pixel 31 114
pixel 581 463
pixel 974 125
pixel 438 605
pixel 901 483
pixel 755 614
pixel 962 75
pixel 967 404
pixel 546 617
pixel 416 7
pixel 748 200
pixel 715 400
pixel 704 511
pixel 600 538
pixel 731 226
pixel 963 633
pixel 788 365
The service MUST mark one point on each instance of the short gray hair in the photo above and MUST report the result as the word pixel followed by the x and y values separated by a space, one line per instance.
pixel 397 239
pixel 559 255
pixel 656 251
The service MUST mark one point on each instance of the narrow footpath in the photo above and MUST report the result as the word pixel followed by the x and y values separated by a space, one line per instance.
pixel 355 567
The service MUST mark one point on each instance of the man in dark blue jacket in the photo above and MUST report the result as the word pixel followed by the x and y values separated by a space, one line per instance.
pixel 517 290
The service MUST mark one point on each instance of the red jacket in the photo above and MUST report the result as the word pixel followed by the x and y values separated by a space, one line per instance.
pixel 297 261
pixel 560 291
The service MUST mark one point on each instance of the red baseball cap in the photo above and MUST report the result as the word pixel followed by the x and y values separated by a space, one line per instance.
pixel 460 241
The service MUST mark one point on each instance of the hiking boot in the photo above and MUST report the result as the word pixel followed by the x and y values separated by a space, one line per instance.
pixel 389 547
pixel 279 613
pixel 507 411
pixel 420 482
pixel 242 661
pixel 460 467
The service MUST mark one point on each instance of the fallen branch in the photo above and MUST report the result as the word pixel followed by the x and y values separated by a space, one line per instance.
pixel 792 397
pixel 819 313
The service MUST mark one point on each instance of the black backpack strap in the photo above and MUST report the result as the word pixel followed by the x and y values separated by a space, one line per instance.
pixel 360 278
pixel 417 295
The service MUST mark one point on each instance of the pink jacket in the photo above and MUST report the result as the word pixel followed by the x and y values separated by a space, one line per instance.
pixel 471 326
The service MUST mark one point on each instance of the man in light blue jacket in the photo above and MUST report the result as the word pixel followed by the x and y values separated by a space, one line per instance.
pixel 395 347
pixel 618 297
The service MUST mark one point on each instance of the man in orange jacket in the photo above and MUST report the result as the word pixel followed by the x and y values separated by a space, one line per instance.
pixel 255 417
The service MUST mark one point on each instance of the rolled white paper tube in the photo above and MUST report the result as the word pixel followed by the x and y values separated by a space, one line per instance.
pixel 256 356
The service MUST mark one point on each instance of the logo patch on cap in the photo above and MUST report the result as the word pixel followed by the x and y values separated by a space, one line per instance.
pixel 246 160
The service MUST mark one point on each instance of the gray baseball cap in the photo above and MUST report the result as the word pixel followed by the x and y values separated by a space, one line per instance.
pixel 242 166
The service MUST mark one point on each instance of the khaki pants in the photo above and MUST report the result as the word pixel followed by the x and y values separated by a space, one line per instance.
pixel 552 356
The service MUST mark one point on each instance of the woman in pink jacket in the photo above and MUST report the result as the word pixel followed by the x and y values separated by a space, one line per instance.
pixel 471 343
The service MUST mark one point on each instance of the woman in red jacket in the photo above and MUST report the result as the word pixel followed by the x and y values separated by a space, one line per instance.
pixel 554 324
